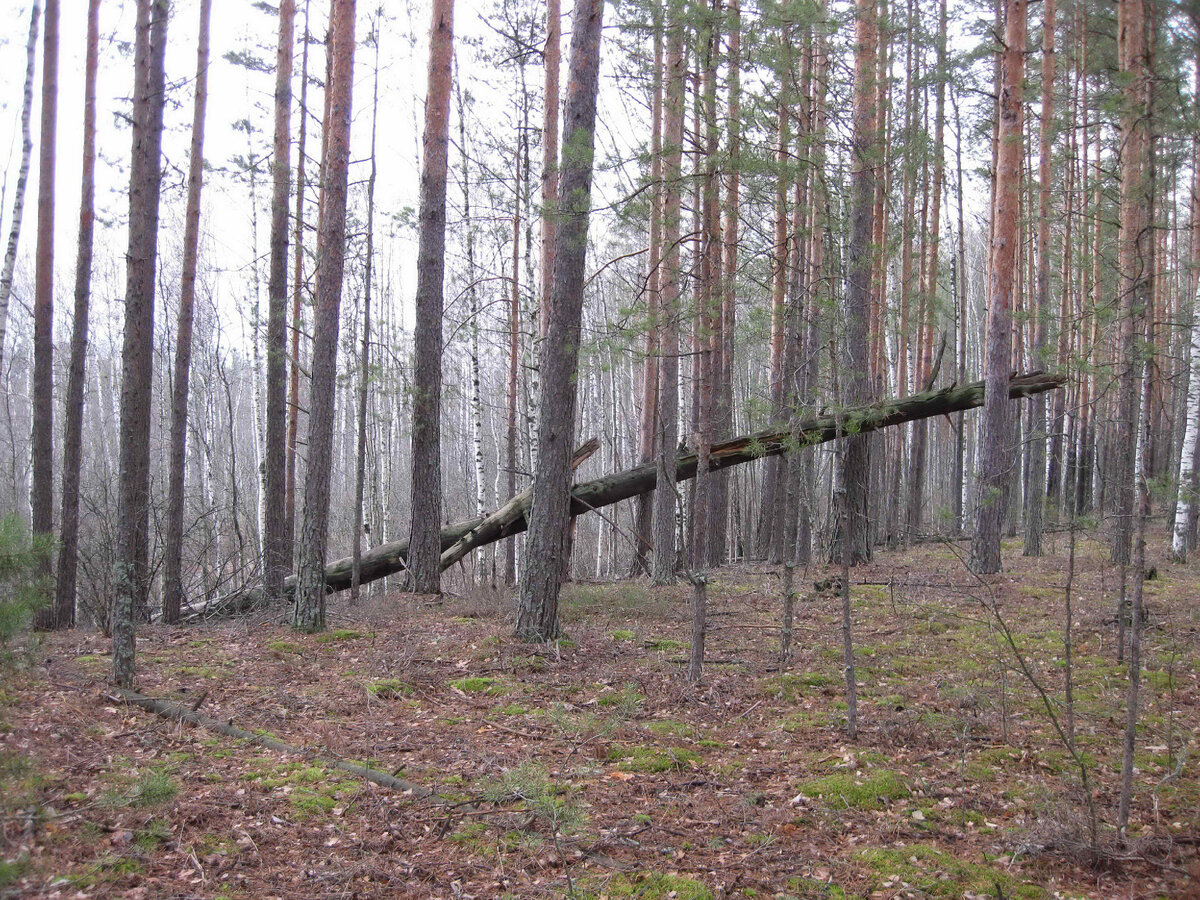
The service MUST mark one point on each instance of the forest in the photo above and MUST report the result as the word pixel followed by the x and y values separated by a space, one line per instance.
pixel 662 449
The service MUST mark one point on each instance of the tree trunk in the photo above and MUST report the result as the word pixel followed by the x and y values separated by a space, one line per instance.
pixel 277 554
pixel 1134 255
pixel 293 416
pixel 537 612
pixel 364 362
pixel 644 514
pixel 1035 501
pixel 514 359
pixel 14 232
pixel 68 552
pixel 309 611
pixel 855 463
pixel 173 563
pixel 997 456
pixel 1187 473
pixel 473 296
pixel 130 580
pixel 41 499
pixel 553 59
pixel 708 316
pixel 667 425
pixel 774 474
pixel 427 337
pixel 920 435
pixel 723 414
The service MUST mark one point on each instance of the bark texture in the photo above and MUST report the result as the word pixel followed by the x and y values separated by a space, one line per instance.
pixel 427 338
pixel 68 552
pixel 173 564
pixel 546 547
pixel 277 554
pixel 130 580
pixel 309 611
pixel 667 423
pixel 14 231
pixel 1035 502
pixel 855 341
pixel 997 455
pixel 41 500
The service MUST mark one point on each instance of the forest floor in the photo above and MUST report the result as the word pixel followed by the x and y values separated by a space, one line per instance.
pixel 592 769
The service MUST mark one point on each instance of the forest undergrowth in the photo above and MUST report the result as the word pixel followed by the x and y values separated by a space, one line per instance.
pixel 590 768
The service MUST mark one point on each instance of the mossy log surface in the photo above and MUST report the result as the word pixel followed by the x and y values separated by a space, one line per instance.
pixel 461 538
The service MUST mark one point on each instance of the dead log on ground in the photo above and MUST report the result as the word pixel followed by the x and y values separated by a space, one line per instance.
pixel 460 539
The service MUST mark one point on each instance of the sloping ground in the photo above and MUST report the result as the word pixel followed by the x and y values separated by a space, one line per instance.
pixel 592 769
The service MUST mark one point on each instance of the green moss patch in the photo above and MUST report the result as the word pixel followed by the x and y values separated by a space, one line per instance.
pixel 670 728
pixel 389 689
pixel 480 684
pixel 664 645
pixel 338 635
pixel 937 874
pixel 151 788
pixel 654 759
pixel 790 686
pixel 653 886
pixel 849 791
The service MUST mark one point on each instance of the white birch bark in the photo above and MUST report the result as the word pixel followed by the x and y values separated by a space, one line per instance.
pixel 14 233
pixel 1187 475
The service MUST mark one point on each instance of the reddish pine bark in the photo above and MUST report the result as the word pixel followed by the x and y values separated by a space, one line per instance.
pixel 855 468
pixel 425 544
pixel 308 612
pixel 997 455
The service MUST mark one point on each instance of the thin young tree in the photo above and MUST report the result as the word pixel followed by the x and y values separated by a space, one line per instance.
pixel 709 313
pixel 277 553
pixel 667 426
pixel 997 456
pixel 549 520
pixel 644 515
pixel 308 611
pixel 1035 501
pixel 18 209
pixel 173 562
pixel 1187 473
pixel 364 358
pixel 41 500
pixel 298 290
pixel 131 587
pixel 425 547
pixel 550 103
pixel 68 552
pixel 920 432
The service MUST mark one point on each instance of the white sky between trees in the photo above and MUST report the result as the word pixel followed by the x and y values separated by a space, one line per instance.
pixel 236 94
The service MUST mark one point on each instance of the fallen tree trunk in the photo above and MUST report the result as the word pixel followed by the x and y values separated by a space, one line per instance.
pixel 460 539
